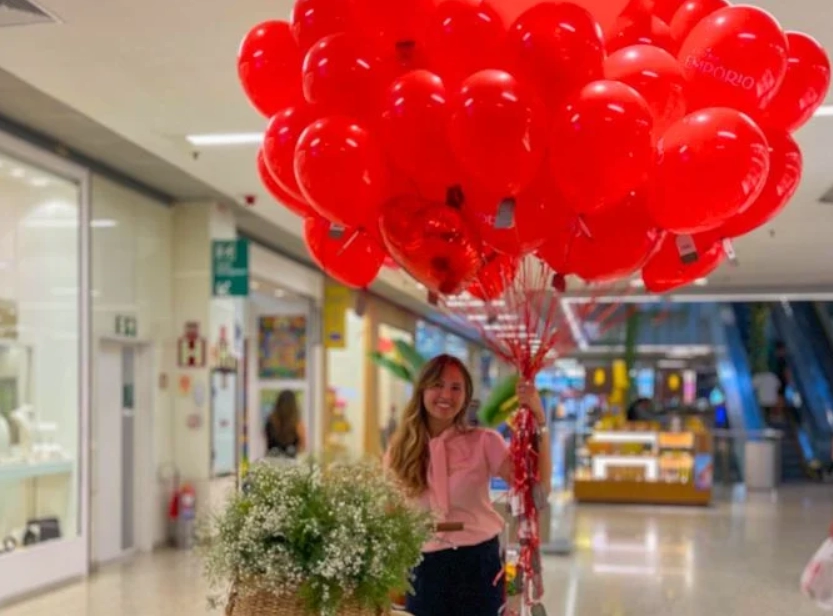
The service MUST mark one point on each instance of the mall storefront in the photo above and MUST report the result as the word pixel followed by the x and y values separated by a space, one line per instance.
pixel 45 321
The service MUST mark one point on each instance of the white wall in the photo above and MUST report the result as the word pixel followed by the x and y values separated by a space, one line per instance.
pixel 346 375
pixel 132 261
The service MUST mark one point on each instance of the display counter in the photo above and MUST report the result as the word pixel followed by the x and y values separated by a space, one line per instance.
pixel 648 467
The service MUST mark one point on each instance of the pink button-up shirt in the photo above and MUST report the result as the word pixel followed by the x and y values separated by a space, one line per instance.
pixel 460 468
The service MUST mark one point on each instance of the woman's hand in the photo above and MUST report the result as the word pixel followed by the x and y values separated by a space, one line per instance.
pixel 528 396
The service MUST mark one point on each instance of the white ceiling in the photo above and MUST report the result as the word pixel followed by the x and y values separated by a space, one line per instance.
pixel 153 71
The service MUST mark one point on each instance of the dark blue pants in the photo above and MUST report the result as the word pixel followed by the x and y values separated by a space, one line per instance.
pixel 459 582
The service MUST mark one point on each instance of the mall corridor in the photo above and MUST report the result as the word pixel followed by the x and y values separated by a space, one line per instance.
pixel 741 557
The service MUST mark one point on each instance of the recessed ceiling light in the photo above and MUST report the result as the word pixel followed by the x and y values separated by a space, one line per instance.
pixel 824 111
pixel 701 282
pixel 637 283
pixel 220 139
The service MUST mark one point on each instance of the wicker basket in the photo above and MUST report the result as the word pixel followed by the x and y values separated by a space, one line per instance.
pixel 267 604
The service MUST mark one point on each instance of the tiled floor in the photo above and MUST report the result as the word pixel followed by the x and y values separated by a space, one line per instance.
pixel 736 558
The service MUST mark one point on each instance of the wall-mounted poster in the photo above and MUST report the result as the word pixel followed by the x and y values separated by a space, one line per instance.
pixel 282 347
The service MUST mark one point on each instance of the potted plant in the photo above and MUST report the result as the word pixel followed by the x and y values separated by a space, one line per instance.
pixel 303 539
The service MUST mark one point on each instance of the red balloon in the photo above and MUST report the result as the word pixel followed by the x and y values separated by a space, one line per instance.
pixel 665 9
pixel 343 75
pixel 293 204
pixel 279 143
pixel 784 176
pixel 464 37
pixel 711 165
pixel 637 25
pixel 617 242
pixel 691 13
pixel 396 28
pixel 267 65
pixel 498 131
pixel 666 270
pixel 312 20
pixel 601 146
pixel 351 257
pixel 736 57
pixel 604 12
pixel 415 130
pixel 538 213
pixel 558 48
pixel 805 85
pixel 497 272
pixel 341 172
pixel 432 242
pixel 658 78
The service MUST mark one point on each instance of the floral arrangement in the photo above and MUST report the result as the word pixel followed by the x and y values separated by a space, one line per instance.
pixel 325 534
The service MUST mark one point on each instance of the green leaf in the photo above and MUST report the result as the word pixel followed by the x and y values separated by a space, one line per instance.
pixel 495 409
pixel 410 355
pixel 394 367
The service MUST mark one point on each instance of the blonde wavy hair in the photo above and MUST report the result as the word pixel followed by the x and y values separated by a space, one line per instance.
pixel 407 457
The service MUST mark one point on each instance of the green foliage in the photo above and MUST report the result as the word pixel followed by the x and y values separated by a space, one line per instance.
pixel 324 534
pixel 410 356
pixel 500 404
pixel 397 369
pixel 404 363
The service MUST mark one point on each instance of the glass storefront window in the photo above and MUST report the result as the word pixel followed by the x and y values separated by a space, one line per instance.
pixel 40 298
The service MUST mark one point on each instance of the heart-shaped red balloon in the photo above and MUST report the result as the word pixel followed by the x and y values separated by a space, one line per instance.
pixel 350 256
pixel 667 270
pixel 432 242
pixel 292 203
pixel 497 273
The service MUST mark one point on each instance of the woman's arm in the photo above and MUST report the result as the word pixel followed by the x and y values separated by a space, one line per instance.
pixel 528 395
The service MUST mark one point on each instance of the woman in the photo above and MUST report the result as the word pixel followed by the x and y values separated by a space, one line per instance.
pixel 285 432
pixel 446 465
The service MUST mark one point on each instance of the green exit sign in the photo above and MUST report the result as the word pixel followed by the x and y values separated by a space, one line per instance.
pixel 127 326
pixel 230 268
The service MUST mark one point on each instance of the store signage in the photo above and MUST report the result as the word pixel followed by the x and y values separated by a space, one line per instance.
pixel 599 380
pixel 336 302
pixel 230 268
pixel 127 326
pixel 191 347
pixel 670 386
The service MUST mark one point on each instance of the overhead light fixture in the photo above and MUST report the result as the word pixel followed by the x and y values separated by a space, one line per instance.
pixel 824 111
pixel 701 282
pixel 220 139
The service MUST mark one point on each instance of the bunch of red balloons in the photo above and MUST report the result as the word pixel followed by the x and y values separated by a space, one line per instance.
pixel 460 136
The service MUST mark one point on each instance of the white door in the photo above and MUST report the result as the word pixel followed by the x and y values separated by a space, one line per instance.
pixel 113 523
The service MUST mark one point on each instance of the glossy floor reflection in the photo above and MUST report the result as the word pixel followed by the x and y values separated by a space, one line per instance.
pixel 742 557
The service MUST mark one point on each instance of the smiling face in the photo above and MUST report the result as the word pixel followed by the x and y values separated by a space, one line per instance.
pixel 446 397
